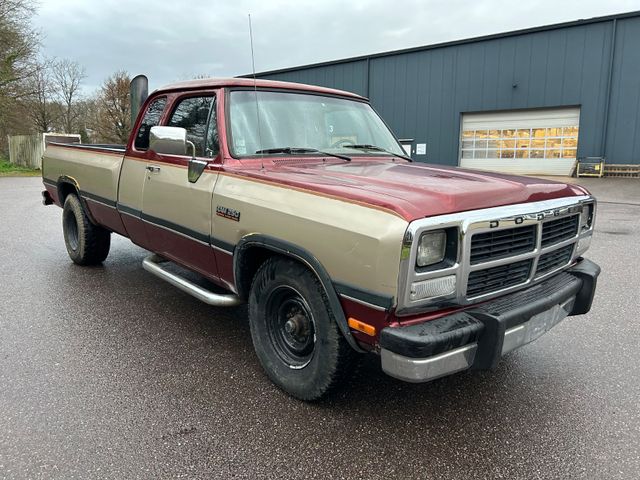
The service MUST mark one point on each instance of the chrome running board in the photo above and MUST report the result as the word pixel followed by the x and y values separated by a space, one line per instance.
pixel 152 264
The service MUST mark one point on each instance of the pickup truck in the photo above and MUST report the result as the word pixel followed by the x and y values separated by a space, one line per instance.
pixel 300 201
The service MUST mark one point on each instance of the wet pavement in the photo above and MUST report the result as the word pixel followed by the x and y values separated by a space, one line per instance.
pixel 108 372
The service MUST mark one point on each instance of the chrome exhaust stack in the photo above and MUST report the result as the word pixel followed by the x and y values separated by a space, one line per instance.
pixel 152 264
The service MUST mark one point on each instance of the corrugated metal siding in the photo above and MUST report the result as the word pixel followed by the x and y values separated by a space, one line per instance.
pixel 623 138
pixel 26 150
pixel 422 94
pixel 481 77
pixel 351 76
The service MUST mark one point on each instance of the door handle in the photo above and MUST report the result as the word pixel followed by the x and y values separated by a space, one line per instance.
pixel 153 169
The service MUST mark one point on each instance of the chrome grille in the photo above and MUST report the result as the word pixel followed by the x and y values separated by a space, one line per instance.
pixel 497 278
pixel 505 243
pixel 554 259
pixel 555 231
pixel 500 250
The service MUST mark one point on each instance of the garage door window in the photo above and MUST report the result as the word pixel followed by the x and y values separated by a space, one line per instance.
pixel 549 142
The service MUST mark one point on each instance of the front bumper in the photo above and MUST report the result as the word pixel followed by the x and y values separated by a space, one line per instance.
pixel 479 336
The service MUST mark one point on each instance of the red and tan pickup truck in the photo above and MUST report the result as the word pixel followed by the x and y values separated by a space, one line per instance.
pixel 300 201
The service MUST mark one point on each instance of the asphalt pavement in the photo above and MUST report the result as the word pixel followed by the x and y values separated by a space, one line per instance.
pixel 107 372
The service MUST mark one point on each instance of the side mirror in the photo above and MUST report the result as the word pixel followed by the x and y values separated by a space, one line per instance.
pixel 168 140
pixel 173 141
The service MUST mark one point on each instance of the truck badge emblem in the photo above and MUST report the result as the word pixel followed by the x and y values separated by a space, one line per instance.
pixel 229 213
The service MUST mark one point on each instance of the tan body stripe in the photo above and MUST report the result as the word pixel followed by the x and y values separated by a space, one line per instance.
pixel 357 243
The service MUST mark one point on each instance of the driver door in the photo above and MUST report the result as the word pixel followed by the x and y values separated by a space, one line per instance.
pixel 177 213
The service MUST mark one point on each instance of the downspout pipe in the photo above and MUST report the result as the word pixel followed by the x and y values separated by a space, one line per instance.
pixel 605 116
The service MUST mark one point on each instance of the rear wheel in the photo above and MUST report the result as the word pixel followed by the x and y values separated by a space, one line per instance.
pixel 294 333
pixel 87 244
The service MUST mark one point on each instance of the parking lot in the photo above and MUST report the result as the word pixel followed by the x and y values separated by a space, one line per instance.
pixel 108 372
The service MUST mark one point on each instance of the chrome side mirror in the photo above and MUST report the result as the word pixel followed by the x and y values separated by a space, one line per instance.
pixel 168 140
pixel 173 141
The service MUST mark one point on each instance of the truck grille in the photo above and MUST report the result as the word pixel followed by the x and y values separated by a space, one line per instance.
pixel 499 250
pixel 552 260
pixel 509 242
pixel 502 243
pixel 555 231
pixel 496 278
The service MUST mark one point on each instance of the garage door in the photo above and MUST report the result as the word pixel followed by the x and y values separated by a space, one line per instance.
pixel 534 142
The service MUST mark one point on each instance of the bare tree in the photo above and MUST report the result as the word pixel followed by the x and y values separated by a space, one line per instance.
pixel 113 122
pixel 18 47
pixel 67 76
pixel 41 107
pixel 88 119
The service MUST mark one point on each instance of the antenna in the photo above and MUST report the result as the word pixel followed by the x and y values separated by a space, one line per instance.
pixel 255 91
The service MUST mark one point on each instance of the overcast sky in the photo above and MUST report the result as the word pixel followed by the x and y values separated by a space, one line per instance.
pixel 170 40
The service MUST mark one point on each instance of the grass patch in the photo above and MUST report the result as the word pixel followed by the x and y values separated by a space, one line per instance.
pixel 9 170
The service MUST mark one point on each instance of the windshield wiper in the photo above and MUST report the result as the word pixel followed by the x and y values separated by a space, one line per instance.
pixel 299 150
pixel 375 148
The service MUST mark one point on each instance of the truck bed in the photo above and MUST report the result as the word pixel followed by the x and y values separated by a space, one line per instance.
pixel 94 168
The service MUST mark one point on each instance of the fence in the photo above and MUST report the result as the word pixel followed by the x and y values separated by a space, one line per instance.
pixel 27 150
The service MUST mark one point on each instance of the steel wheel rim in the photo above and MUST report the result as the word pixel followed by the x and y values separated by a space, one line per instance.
pixel 291 327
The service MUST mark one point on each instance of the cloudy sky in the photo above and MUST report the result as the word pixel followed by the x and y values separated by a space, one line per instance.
pixel 171 40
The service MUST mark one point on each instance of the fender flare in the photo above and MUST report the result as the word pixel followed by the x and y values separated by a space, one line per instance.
pixel 66 180
pixel 302 255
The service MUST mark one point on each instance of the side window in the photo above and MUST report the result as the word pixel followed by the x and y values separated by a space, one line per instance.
pixel 192 114
pixel 151 119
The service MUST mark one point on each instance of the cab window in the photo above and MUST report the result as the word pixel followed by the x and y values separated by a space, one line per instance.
pixel 151 119
pixel 197 116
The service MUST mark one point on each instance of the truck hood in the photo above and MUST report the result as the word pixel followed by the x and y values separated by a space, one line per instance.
pixel 415 190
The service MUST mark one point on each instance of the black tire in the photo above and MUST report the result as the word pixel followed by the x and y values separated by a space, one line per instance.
pixel 294 332
pixel 87 244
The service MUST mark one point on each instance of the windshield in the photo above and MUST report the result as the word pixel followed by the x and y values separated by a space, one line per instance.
pixel 295 120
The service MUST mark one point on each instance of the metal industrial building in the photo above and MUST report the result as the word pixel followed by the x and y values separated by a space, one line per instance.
pixel 529 101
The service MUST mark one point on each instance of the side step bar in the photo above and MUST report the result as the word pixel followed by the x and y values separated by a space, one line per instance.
pixel 152 264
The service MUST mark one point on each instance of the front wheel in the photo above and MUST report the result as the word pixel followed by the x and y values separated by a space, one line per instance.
pixel 87 244
pixel 294 333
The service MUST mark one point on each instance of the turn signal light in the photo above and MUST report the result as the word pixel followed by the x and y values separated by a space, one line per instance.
pixel 362 327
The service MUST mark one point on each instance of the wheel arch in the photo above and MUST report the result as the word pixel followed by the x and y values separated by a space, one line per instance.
pixel 254 249
pixel 68 185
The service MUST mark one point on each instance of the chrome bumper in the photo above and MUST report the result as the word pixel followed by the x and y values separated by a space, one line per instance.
pixel 416 370
pixel 478 337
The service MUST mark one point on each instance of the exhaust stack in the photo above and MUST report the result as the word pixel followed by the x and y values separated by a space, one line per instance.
pixel 139 89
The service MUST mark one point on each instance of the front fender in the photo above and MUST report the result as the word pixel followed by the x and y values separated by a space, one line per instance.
pixel 288 249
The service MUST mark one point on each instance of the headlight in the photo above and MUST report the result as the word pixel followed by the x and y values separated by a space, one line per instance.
pixel 431 248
